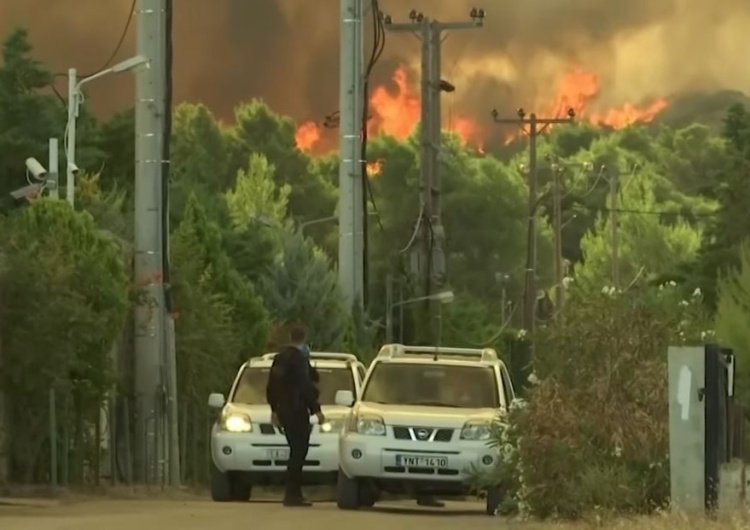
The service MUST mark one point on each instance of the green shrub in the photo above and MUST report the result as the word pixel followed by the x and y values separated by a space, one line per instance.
pixel 592 434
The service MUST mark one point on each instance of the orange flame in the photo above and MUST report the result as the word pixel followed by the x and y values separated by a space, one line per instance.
pixel 307 135
pixel 374 168
pixel 578 89
pixel 394 113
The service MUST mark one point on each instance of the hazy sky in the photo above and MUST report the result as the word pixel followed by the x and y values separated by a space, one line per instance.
pixel 285 51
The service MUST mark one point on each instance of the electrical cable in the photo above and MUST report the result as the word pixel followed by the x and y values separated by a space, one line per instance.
pixel 378 45
pixel 118 46
pixel 166 153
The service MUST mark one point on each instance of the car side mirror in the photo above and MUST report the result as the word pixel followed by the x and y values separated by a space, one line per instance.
pixel 344 398
pixel 216 400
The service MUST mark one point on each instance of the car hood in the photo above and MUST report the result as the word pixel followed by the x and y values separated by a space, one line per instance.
pixel 262 413
pixel 412 415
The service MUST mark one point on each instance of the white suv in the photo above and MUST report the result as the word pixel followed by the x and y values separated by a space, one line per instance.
pixel 422 424
pixel 246 448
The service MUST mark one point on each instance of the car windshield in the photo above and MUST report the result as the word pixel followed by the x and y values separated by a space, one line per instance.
pixel 251 390
pixel 432 385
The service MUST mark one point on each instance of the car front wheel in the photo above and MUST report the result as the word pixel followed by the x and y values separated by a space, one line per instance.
pixel 493 500
pixel 347 492
pixel 228 488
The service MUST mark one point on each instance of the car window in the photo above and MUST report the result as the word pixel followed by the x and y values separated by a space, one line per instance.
pixel 251 389
pixel 432 384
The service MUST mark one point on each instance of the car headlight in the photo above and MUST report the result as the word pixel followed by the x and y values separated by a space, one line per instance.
pixel 236 422
pixel 476 430
pixel 370 425
pixel 332 426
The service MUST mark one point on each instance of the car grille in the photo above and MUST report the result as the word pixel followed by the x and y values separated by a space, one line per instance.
pixel 423 434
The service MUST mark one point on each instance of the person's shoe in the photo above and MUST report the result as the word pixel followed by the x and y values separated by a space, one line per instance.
pixel 430 502
pixel 300 502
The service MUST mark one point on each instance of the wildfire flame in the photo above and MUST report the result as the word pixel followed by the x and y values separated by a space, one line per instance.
pixel 374 168
pixel 396 112
pixel 578 89
pixel 307 135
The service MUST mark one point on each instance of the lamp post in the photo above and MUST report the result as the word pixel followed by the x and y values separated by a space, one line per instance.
pixel 75 98
pixel 444 297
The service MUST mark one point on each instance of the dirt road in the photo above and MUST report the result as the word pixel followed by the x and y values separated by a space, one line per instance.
pixel 203 515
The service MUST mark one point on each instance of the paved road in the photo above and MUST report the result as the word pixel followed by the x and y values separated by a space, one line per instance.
pixel 204 515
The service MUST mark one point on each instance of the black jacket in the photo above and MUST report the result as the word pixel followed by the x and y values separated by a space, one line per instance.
pixel 294 393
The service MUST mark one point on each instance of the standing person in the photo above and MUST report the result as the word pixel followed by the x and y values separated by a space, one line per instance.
pixel 293 399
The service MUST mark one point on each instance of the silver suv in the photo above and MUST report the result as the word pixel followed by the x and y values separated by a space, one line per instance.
pixel 422 424
pixel 246 448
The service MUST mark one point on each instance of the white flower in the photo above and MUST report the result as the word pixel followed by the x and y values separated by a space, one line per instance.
pixel 533 379
pixel 605 289
pixel 522 333
pixel 697 293
pixel 684 303
pixel 672 283
pixel 617 453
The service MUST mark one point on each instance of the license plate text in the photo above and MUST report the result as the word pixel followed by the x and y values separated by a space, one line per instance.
pixel 437 462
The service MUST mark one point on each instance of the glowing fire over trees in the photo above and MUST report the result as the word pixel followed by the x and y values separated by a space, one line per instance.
pixel 578 89
pixel 396 112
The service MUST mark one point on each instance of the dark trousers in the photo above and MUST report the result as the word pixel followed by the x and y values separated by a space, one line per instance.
pixel 297 430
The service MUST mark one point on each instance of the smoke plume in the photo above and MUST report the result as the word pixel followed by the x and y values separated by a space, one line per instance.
pixel 286 51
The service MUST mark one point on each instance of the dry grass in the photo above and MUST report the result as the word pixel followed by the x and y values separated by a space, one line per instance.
pixel 658 522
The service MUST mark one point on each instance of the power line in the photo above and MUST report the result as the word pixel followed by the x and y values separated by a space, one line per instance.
pixel 431 269
pixel 120 42
pixel 536 126
pixel 682 213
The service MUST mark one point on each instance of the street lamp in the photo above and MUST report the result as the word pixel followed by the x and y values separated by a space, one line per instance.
pixel 444 297
pixel 75 98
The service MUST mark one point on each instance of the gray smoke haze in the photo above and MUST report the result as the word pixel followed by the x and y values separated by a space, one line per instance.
pixel 286 51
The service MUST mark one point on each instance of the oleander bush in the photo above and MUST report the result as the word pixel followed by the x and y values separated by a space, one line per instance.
pixel 592 434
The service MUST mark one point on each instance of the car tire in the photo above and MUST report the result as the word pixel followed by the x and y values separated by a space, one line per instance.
pixel 241 491
pixel 493 499
pixel 347 492
pixel 221 486
pixel 368 495
pixel 226 488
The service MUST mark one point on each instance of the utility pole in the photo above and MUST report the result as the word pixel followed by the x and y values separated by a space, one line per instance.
pixel 431 265
pixel 351 101
pixel 614 179
pixel 557 231
pixel 53 180
pixel 150 316
pixel 536 126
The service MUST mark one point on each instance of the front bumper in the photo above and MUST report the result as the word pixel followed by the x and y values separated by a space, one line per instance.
pixel 265 455
pixel 378 458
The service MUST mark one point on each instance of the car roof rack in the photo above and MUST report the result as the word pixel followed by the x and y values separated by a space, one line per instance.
pixel 318 356
pixel 391 351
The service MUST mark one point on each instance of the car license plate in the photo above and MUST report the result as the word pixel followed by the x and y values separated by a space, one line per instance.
pixel 436 462
pixel 278 454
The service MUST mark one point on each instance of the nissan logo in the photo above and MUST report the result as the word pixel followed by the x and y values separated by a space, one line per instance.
pixel 423 434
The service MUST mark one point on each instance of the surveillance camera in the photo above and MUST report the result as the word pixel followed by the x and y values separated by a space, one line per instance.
pixel 73 168
pixel 420 17
pixel 413 14
pixel 495 113
pixel 480 14
pixel 387 20
pixel 35 168
pixel 571 113
pixel 521 113
pixel 473 13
